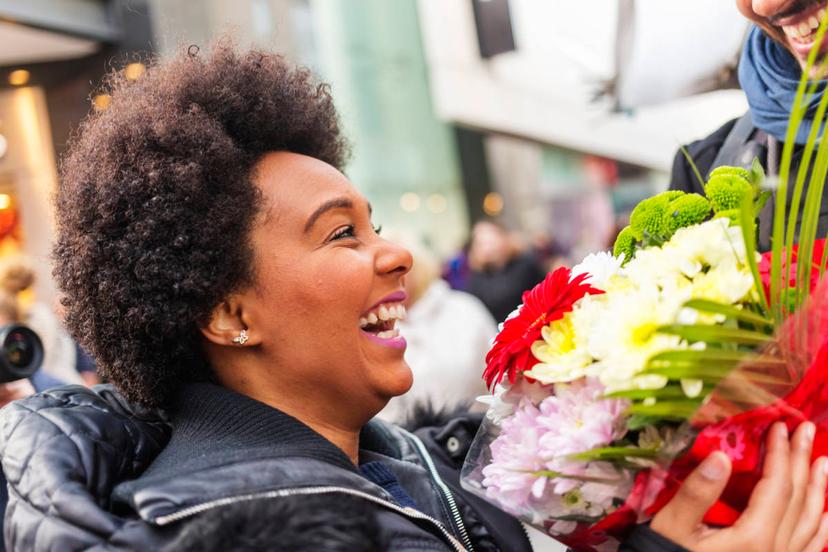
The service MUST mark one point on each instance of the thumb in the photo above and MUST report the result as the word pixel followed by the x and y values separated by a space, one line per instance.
pixel 680 517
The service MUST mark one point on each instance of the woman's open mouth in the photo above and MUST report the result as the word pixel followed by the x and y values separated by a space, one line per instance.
pixel 380 324
pixel 801 29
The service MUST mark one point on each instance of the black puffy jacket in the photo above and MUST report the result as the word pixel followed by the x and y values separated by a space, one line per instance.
pixel 87 471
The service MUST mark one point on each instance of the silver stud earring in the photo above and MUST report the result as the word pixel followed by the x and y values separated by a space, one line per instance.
pixel 242 338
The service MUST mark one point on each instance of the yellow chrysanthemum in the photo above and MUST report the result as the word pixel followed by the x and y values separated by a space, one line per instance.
pixel 562 353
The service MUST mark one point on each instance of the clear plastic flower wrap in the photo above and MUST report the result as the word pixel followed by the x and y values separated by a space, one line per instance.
pixel 614 380
pixel 582 466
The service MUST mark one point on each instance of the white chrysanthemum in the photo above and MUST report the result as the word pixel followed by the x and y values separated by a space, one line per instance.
pixel 625 337
pixel 562 353
pixel 654 266
pixel 728 283
pixel 600 266
pixel 708 244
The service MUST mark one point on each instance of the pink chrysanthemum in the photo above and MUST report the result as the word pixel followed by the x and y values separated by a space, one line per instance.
pixel 535 444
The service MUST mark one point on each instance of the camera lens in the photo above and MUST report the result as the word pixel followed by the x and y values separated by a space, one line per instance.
pixel 21 352
pixel 19 349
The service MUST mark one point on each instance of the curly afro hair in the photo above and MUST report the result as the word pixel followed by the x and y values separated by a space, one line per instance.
pixel 156 204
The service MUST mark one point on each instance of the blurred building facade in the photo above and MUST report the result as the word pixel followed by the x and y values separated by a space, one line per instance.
pixel 457 109
pixel 404 157
pixel 54 52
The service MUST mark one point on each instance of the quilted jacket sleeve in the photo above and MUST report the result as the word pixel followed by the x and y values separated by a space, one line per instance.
pixel 62 452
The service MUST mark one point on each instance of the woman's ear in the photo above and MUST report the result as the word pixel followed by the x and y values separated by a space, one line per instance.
pixel 228 325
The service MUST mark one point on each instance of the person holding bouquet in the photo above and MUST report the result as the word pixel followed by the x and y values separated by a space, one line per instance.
pixel 774 55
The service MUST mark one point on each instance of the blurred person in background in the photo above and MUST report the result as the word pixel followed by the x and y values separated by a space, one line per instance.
pixel 771 66
pixel 499 271
pixel 448 334
pixel 456 269
pixel 548 252
pixel 60 352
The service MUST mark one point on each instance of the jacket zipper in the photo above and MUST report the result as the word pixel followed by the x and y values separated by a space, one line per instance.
pixel 455 511
pixel 303 491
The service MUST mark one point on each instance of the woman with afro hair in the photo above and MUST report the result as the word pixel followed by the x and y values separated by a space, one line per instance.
pixel 229 283
pixel 228 280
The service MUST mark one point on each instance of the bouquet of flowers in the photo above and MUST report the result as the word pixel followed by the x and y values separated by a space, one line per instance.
pixel 615 378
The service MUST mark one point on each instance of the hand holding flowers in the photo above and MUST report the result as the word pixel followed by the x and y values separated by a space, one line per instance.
pixel 785 512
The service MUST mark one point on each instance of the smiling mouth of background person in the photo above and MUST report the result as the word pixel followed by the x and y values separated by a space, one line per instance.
pixel 801 22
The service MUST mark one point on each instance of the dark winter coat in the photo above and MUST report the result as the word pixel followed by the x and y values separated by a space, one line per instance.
pixel 87 471
pixel 737 143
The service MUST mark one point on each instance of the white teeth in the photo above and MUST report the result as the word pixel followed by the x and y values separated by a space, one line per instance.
pixel 813 22
pixel 804 29
pixel 382 312
pixel 791 31
pixel 390 334
pixel 385 312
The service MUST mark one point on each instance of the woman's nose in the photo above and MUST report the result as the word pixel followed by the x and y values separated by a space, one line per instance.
pixel 393 258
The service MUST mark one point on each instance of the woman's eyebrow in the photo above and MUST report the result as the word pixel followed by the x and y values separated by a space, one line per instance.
pixel 336 203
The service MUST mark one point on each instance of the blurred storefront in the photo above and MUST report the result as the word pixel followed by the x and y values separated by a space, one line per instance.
pixel 54 54
pixel 404 158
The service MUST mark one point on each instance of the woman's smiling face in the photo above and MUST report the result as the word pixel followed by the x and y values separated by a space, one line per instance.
pixel 323 280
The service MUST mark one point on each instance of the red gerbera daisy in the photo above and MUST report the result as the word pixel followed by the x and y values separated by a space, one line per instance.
pixel 546 302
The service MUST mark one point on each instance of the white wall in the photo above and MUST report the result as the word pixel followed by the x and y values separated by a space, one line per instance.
pixel 566 52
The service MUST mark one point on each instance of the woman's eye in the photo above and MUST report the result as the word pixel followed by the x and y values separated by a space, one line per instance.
pixel 344 232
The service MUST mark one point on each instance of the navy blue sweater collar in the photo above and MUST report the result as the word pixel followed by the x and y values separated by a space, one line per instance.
pixel 212 425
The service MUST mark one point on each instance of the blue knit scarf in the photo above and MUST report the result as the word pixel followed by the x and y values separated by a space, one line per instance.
pixel 769 75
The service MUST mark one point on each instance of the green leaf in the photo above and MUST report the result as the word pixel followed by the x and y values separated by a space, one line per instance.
pixel 704 356
pixel 730 311
pixel 639 421
pixel 747 216
pixel 614 453
pixel 692 165
pixel 561 475
pixel 711 375
pixel 673 410
pixel 810 216
pixel 714 334
pixel 757 174
pixel 761 201
pixel 781 237
pixel 668 392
